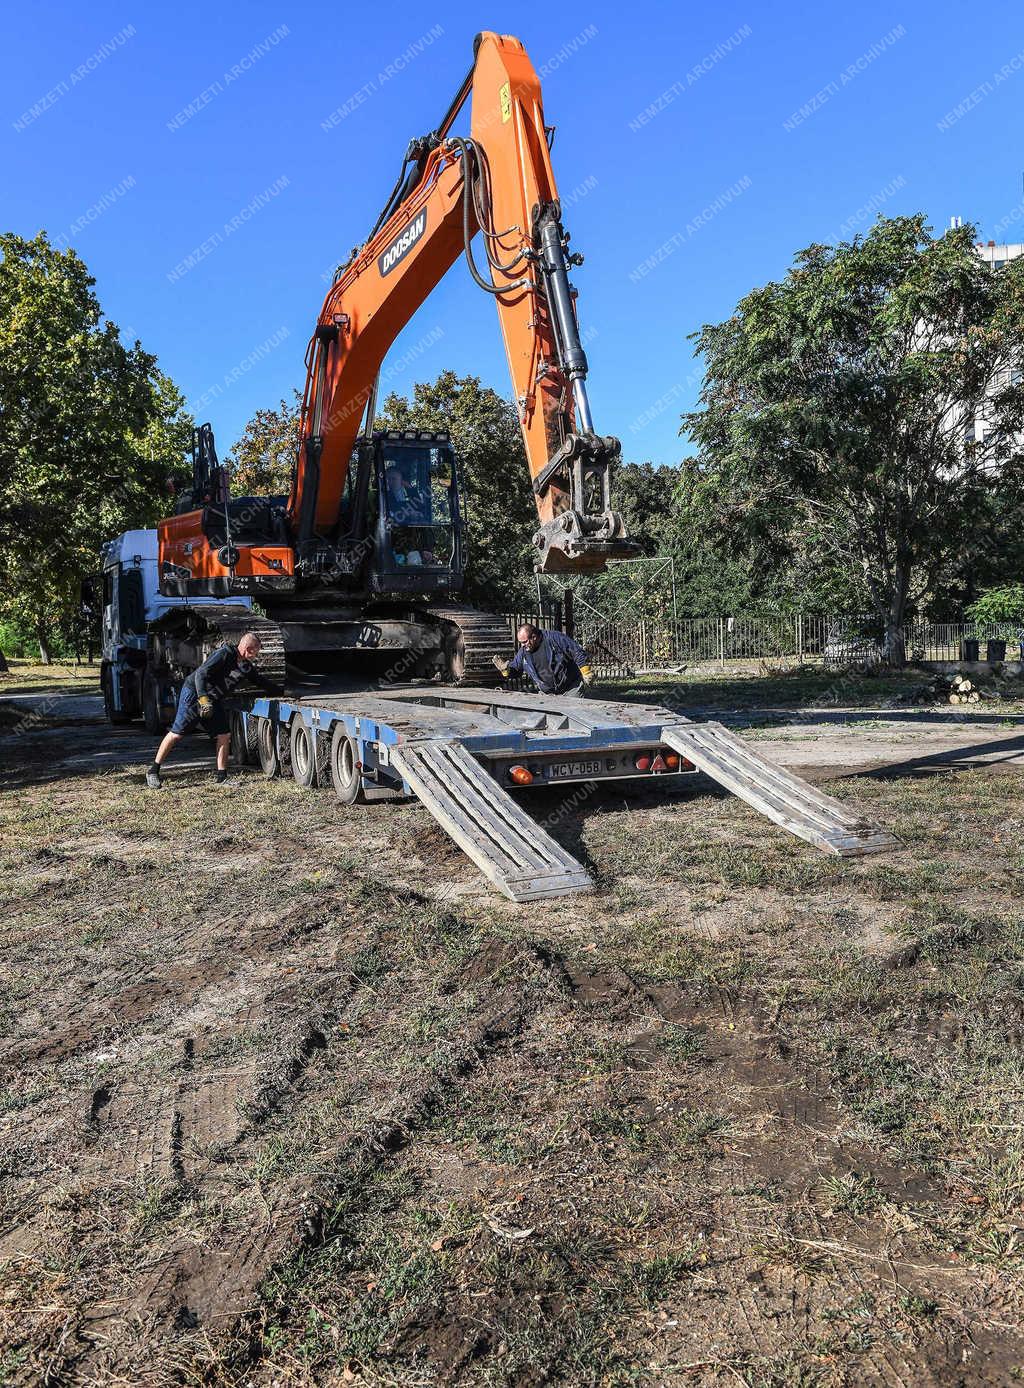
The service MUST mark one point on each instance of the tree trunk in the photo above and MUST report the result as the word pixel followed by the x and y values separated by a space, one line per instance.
pixel 45 655
pixel 895 644
pixel 895 634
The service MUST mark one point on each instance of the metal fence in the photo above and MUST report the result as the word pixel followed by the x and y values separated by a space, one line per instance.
pixel 644 643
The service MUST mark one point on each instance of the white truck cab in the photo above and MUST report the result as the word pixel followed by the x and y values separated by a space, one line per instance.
pixel 126 597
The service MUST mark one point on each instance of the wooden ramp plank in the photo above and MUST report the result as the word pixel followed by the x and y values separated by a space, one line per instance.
pixel 794 804
pixel 509 848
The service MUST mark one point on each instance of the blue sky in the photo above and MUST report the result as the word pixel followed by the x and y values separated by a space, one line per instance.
pixel 698 148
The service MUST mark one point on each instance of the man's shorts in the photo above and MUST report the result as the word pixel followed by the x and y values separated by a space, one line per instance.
pixel 187 719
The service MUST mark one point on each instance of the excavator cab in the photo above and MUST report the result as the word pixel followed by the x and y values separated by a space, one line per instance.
pixel 420 542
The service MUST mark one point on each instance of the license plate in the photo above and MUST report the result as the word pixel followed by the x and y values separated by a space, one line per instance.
pixel 562 770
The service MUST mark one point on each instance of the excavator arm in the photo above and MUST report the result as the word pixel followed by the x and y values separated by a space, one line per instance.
pixel 500 183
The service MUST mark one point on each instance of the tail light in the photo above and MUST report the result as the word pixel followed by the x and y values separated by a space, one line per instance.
pixel 672 761
pixel 521 775
pixel 643 762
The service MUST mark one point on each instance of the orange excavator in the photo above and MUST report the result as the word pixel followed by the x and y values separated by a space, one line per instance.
pixel 366 555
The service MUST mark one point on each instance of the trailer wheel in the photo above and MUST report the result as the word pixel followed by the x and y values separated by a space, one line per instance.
pixel 323 759
pixel 303 750
pixel 252 740
pixel 284 748
pixel 266 742
pixel 346 777
pixel 240 740
pixel 151 718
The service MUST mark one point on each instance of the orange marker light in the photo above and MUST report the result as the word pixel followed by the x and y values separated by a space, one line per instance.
pixel 671 760
pixel 520 775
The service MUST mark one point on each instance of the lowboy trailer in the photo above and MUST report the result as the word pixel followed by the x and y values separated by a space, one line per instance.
pixel 464 752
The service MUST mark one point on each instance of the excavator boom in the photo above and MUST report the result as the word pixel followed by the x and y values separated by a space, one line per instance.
pixel 500 183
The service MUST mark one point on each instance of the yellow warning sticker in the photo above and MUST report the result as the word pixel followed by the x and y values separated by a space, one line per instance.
pixel 506 102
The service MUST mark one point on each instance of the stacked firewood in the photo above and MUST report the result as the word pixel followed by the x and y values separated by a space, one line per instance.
pixel 965 691
pixel 959 689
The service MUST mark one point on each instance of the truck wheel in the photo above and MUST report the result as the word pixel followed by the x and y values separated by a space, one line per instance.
pixel 112 715
pixel 151 716
pixel 303 750
pixel 345 774
pixel 240 740
pixel 266 742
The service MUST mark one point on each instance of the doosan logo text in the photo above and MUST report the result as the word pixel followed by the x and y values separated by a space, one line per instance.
pixel 403 244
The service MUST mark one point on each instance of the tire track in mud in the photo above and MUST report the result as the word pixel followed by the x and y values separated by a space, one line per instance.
pixel 207 1290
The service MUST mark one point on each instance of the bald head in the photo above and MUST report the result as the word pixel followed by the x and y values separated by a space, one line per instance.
pixel 250 646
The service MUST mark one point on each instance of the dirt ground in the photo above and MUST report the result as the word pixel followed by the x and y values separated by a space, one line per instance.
pixel 288 1096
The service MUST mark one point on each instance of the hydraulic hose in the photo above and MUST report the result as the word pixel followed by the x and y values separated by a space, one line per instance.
pixel 465 148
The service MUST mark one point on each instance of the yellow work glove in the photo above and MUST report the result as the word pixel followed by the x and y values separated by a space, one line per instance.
pixel 502 665
pixel 587 674
pixel 205 706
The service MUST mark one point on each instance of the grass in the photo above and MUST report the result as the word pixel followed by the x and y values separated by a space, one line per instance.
pixel 745 1107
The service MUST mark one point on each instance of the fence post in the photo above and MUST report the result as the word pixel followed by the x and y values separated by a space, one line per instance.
pixel 570 616
pixel 721 641
pixel 800 638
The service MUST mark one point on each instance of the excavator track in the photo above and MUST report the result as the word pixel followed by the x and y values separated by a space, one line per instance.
pixel 207 627
pixel 472 640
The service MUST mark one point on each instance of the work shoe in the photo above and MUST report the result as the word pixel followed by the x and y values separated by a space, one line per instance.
pixel 223 779
pixel 153 778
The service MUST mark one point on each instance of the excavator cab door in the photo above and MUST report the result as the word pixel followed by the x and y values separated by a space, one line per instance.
pixel 420 541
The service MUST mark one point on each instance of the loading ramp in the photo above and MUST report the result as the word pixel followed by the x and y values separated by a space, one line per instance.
pixel 510 848
pixel 791 802
pixel 462 751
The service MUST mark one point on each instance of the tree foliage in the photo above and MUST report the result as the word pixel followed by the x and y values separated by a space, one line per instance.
pixel 502 516
pixel 262 460
pixel 89 432
pixel 1005 604
pixel 836 409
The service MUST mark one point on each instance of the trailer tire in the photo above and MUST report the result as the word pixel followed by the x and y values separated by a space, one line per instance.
pixel 266 742
pixel 240 740
pixel 151 717
pixel 346 777
pixel 323 760
pixel 303 753
pixel 252 740
pixel 284 748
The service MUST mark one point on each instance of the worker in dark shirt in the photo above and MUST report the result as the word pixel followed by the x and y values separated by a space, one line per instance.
pixel 201 702
pixel 554 662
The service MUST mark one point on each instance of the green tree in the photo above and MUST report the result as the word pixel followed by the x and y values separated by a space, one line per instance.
pixel 1004 604
pixel 89 432
pixel 261 461
pixel 646 496
pixel 502 516
pixel 837 405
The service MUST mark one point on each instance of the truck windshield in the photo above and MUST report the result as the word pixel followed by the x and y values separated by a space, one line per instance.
pixel 420 504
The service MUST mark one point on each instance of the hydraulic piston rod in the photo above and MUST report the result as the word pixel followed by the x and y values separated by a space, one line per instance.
pixel 572 357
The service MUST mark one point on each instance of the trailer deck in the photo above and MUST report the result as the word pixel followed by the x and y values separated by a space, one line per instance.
pixel 462 752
